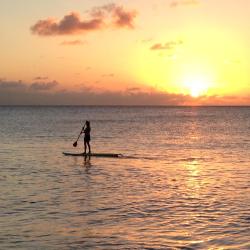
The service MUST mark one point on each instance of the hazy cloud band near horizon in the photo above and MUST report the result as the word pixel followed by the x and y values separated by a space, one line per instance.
pixel 44 93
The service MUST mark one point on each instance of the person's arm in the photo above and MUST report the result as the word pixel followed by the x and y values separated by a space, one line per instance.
pixel 83 129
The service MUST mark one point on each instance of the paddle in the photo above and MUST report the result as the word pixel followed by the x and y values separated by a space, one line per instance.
pixel 75 143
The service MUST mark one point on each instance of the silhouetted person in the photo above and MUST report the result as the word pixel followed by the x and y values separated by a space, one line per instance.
pixel 86 130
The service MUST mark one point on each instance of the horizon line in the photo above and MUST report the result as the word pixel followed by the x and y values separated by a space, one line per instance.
pixel 120 105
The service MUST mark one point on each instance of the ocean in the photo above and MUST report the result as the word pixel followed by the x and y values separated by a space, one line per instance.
pixel 183 181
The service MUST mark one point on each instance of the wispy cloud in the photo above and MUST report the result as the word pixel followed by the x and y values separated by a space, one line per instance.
pixel 177 3
pixel 73 43
pixel 108 75
pixel 133 90
pixel 147 40
pixel 166 46
pixel 41 78
pixel 99 18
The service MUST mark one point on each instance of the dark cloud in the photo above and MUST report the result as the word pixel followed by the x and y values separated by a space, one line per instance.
pixel 73 43
pixel 123 18
pixel 167 46
pixel 70 24
pixel 43 86
pixel 120 17
pixel 37 94
pixel 88 97
pixel 178 3
pixel 99 18
pixel 19 86
pixel 10 85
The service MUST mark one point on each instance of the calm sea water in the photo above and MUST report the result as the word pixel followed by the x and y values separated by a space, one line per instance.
pixel 183 183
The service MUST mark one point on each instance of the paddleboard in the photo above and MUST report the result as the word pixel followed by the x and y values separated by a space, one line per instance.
pixel 93 154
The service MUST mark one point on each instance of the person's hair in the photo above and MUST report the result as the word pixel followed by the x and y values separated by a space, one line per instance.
pixel 88 123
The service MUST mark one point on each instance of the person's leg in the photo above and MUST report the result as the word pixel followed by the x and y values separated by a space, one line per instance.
pixel 85 147
pixel 89 147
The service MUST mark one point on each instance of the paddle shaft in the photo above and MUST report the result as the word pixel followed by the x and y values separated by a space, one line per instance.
pixel 80 133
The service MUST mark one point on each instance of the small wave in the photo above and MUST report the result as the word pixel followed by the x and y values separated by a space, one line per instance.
pixel 164 158
pixel 192 159
pixel 139 157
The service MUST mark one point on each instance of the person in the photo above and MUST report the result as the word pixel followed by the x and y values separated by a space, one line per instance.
pixel 86 130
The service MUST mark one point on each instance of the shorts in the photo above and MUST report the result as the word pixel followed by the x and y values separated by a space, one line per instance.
pixel 87 138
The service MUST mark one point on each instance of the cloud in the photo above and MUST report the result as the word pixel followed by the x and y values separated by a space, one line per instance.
pixel 70 24
pixel 120 17
pixel 41 78
pixel 228 100
pixel 123 18
pixel 19 86
pixel 89 97
pixel 167 46
pixel 178 3
pixel 42 86
pixel 99 18
pixel 19 93
pixel 133 90
pixel 10 85
pixel 73 43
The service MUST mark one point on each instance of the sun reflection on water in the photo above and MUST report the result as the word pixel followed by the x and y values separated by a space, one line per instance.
pixel 193 178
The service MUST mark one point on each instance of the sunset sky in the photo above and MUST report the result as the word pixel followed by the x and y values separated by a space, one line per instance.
pixel 154 52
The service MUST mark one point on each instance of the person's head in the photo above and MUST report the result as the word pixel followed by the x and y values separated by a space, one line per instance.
pixel 87 123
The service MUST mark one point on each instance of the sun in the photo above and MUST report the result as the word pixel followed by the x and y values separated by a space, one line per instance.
pixel 197 86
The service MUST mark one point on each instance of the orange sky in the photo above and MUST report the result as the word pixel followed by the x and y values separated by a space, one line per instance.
pixel 165 52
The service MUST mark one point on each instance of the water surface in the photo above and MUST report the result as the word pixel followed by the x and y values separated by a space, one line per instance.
pixel 183 182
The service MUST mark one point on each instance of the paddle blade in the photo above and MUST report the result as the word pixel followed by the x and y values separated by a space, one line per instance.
pixel 75 144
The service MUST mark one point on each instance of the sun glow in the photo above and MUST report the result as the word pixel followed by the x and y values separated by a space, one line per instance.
pixel 197 86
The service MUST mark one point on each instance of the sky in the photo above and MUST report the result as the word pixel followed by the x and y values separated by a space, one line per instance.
pixel 125 52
